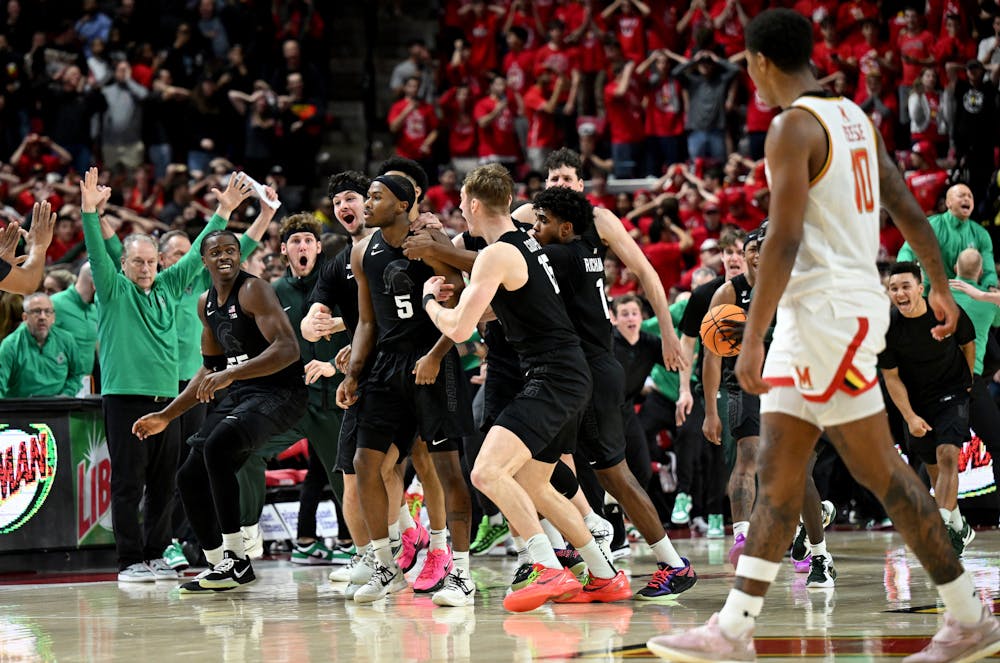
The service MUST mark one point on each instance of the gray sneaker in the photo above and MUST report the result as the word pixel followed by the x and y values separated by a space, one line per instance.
pixel 138 572
pixel 344 573
pixel 161 569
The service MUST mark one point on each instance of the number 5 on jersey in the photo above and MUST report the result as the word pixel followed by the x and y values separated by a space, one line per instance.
pixel 404 307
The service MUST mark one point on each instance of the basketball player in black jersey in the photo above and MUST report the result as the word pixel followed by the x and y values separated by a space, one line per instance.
pixel 336 292
pixel 415 386
pixel 563 225
pixel 514 465
pixel 248 346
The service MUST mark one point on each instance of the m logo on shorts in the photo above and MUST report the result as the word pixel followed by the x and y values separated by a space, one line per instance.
pixel 805 381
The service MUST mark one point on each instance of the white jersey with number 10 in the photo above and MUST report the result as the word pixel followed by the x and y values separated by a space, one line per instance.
pixel 840 240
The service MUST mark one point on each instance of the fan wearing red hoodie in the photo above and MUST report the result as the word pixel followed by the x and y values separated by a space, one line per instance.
pixel 493 113
pixel 456 109
pixel 519 62
pixel 728 19
pixel 413 123
pixel 541 103
pixel 629 27
pixel 664 114
pixel 927 183
pixel 481 24
pixel 623 103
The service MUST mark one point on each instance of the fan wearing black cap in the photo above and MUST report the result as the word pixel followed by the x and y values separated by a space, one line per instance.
pixel 404 395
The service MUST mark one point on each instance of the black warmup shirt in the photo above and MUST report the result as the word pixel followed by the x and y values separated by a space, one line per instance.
pixel 534 318
pixel 579 270
pixel 336 289
pixel 932 371
pixel 240 338
pixel 637 360
pixel 396 285
pixel 697 307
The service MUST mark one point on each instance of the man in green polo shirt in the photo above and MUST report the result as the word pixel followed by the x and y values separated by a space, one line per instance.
pixel 984 417
pixel 956 232
pixel 137 333
pixel 37 359
pixel 76 314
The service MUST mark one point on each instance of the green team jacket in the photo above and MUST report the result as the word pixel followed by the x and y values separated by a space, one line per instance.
pixel 79 320
pixel 293 293
pixel 28 370
pixel 137 330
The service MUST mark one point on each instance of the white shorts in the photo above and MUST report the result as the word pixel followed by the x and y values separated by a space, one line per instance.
pixel 822 361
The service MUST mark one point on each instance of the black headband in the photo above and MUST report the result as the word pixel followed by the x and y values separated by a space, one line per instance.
pixel 349 185
pixel 400 188
pixel 295 230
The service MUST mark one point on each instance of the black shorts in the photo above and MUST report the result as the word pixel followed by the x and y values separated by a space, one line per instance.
pixel 950 425
pixel 744 414
pixel 260 412
pixel 554 395
pixel 348 443
pixel 602 429
pixel 394 409
pixel 500 389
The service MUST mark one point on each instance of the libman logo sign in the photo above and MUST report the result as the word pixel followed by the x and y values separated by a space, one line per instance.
pixel 91 479
pixel 27 469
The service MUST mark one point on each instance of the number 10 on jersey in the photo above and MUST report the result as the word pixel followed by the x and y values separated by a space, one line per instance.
pixel 864 194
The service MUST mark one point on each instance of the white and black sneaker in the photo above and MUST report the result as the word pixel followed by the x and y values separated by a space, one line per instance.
pixel 458 591
pixel 193 586
pixel 385 580
pixel 821 573
pixel 230 573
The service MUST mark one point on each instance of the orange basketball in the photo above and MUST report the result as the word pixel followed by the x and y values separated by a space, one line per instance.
pixel 713 324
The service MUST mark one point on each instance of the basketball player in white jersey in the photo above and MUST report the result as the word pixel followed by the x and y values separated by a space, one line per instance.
pixel 829 172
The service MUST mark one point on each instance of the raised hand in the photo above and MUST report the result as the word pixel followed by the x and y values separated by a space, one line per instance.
pixel 237 190
pixel 43 222
pixel 92 195
pixel 9 239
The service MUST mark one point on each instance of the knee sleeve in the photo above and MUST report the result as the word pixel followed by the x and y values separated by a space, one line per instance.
pixel 564 481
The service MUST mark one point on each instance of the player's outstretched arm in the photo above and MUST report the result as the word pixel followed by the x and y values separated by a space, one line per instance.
pixel 492 267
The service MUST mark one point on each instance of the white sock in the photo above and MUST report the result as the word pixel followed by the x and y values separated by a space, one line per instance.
pixel 233 542
pixel 394 531
pixel 251 531
pixel 959 597
pixel 496 519
pixel 665 553
pixel 946 514
pixel 598 565
pixel 609 499
pixel 739 613
pixel 461 561
pixel 383 553
pixel 540 551
pixel 522 551
pixel 556 539
pixel 741 527
pixel 214 556
pixel 405 519
pixel 818 549
pixel 439 539
pixel 956 520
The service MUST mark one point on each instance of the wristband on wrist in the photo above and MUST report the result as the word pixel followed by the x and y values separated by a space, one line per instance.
pixel 428 298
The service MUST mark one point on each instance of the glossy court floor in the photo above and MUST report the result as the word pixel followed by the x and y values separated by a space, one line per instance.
pixel 882 608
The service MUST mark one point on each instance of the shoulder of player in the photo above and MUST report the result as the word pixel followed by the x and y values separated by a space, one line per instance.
pixel 726 294
pixel 258 296
pixel 608 226
pixel 793 126
pixel 358 251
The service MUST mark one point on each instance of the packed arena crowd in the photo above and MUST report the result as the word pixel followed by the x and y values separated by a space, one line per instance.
pixel 184 259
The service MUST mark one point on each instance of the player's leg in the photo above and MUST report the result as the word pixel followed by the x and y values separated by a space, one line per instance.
pixel 457 588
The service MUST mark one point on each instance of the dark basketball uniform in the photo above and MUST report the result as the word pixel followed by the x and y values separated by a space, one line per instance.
pixel 936 376
pixel 393 408
pixel 537 326
pixel 337 290
pixel 743 408
pixel 260 407
pixel 579 268
pixel 504 374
